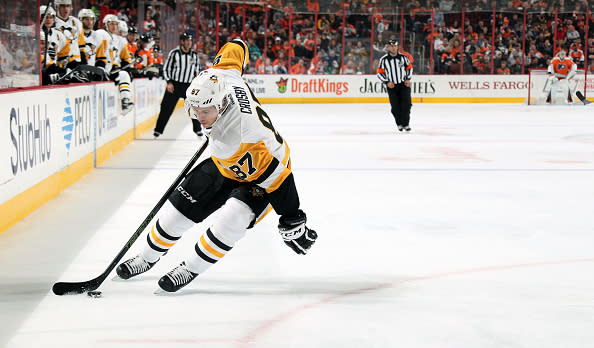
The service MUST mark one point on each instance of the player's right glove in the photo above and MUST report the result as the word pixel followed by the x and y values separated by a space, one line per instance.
pixel 295 234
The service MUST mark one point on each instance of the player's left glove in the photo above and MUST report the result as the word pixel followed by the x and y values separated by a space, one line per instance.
pixel 295 234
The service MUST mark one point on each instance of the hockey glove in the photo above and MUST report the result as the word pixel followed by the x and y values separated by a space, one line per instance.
pixel 54 78
pixel 295 234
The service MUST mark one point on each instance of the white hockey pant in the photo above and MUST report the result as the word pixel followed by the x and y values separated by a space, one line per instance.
pixel 165 232
pixel 230 225
pixel 123 81
pixel 559 91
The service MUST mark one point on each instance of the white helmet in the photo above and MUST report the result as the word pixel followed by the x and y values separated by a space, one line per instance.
pixel 85 13
pixel 562 54
pixel 122 26
pixel 109 18
pixel 208 89
pixel 63 2
pixel 50 11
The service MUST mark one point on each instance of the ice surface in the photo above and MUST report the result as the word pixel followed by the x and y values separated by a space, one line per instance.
pixel 474 230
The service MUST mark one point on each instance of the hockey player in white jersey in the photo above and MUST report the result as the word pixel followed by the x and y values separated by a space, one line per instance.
pixel 112 55
pixel 93 38
pixel 55 49
pixel 123 29
pixel 72 28
pixel 248 174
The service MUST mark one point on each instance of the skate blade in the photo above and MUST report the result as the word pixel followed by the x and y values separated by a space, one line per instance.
pixel 161 292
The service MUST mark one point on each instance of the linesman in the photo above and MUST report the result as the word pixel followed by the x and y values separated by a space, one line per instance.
pixel 180 69
pixel 395 70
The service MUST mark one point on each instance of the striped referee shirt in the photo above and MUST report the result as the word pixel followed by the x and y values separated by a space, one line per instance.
pixel 181 67
pixel 396 69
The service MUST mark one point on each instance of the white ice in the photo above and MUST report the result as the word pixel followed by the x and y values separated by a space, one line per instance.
pixel 474 230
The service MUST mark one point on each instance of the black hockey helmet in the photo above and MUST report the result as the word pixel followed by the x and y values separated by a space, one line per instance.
pixel 185 36
pixel 132 30
pixel 156 48
pixel 145 38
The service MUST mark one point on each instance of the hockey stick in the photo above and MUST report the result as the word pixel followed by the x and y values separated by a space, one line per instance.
pixel 72 288
pixel 65 76
pixel 582 98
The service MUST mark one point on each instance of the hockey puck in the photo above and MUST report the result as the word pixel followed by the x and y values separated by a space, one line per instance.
pixel 94 293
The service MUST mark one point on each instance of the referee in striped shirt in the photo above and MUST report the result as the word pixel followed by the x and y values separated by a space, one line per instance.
pixel 395 70
pixel 180 69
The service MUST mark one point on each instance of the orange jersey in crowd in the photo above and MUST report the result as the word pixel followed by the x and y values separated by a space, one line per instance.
pixel 561 68
pixel 132 48
pixel 146 57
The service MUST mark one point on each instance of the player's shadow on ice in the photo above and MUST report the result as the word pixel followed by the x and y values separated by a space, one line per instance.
pixel 315 288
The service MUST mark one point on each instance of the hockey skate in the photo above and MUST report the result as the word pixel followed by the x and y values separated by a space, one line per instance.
pixel 407 128
pixel 133 267
pixel 177 278
pixel 127 105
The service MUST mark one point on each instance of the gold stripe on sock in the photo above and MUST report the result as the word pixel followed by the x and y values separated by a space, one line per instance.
pixel 159 240
pixel 209 248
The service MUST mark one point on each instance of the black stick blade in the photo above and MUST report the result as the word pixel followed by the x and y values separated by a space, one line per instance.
pixel 65 288
pixel 582 98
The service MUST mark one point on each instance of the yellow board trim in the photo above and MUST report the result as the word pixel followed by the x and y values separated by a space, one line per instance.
pixel 346 100
pixel 209 248
pixel 21 205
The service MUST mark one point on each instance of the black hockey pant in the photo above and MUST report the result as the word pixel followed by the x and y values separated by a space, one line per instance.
pixel 168 105
pixel 400 103
pixel 205 190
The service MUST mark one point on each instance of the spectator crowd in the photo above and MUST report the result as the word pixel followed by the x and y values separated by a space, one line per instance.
pixel 338 37
pixel 443 36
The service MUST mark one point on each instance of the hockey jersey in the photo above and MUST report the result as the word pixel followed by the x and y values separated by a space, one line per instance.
pixel 93 40
pixel 112 52
pixel 245 146
pixel 145 58
pixel 57 49
pixel 561 67
pixel 73 31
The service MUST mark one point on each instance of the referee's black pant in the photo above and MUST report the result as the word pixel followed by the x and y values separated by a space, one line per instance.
pixel 168 105
pixel 401 103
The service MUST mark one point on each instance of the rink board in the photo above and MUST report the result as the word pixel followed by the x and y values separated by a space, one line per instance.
pixel 279 89
pixel 52 137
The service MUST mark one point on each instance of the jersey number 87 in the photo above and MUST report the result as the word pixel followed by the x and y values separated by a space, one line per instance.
pixel 247 158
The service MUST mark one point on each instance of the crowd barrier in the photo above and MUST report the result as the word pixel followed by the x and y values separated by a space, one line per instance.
pixel 53 136
pixel 368 89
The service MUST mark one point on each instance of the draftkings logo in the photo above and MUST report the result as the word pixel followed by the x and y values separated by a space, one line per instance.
pixel 282 85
